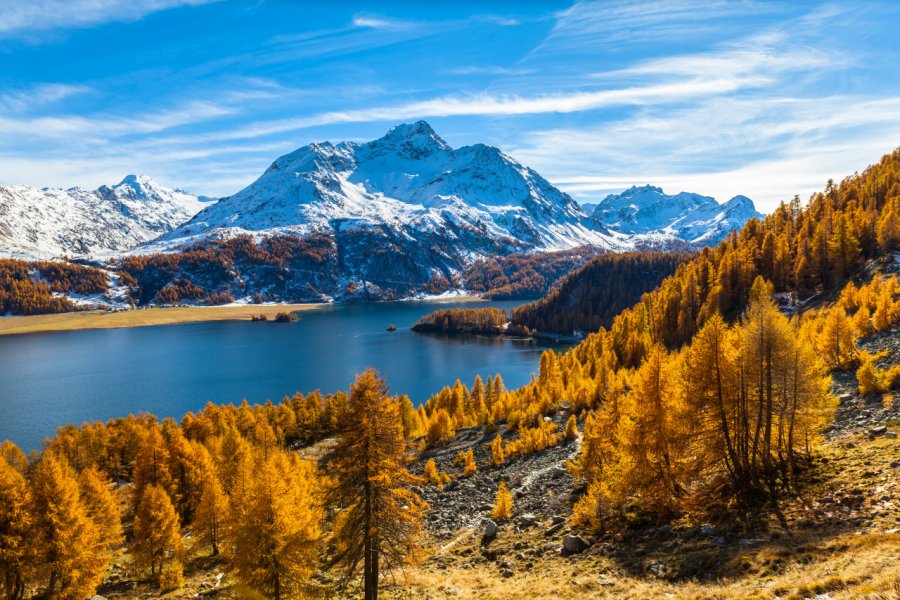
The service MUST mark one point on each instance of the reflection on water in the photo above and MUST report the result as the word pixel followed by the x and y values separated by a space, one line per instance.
pixel 52 379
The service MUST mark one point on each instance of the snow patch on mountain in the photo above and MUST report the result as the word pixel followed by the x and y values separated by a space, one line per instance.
pixel 411 185
pixel 697 219
pixel 54 222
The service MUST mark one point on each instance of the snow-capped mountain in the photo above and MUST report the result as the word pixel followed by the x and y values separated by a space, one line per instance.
pixel 53 222
pixel 412 188
pixel 696 219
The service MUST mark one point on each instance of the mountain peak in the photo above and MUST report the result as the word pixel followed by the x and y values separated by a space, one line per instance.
pixel 642 188
pixel 412 140
pixel 692 217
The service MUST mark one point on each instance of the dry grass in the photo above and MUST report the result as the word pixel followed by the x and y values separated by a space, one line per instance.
pixel 142 317
pixel 844 543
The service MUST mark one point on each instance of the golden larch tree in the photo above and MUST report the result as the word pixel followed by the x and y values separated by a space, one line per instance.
pixel 275 545
pixel 379 521
pixel 157 536
pixel 102 507
pixel 503 505
pixel 66 538
pixel 16 558
pixel 211 517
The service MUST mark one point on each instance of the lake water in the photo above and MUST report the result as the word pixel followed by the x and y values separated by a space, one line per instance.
pixel 50 379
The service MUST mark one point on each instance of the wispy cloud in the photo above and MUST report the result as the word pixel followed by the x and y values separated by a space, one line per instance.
pixel 371 21
pixel 488 70
pixel 768 150
pixel 500 105
pixel 37 96
pixel 24 17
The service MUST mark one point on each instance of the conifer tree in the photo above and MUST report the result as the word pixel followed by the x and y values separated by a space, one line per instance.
pixel 430 472
pixel 497 454
pixel 157 538
pixel 14 456
pixel 503 505
pixel 151 466
pixel 16 520
pixel 211 517
pixel 469 465
pixel 102 507
pixel 66 538
pixel 379 525
pixel 275 545
pixel 571 428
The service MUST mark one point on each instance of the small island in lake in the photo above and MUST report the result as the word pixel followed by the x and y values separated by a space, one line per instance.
pixel 485 321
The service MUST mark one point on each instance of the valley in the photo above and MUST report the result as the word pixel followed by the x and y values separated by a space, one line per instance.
pixel 551 300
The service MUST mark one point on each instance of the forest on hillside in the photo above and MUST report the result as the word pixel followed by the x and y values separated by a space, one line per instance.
pixel 588 298
pixel 701 397
pixel 489 321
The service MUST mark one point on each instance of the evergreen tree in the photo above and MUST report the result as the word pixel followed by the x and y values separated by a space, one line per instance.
pixel 275 544
pixel 157 536
pixel 16 520
pixel 66 538
pixel 211 518
pixel 379 524
pixel 102 507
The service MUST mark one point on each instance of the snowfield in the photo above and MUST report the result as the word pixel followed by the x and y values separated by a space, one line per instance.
pixel 408 192
pixel 54 223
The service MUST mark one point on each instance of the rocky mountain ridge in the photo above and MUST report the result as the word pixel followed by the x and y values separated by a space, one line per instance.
pixel 52 223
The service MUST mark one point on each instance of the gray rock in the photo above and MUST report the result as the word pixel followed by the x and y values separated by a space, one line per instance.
pixel 890 435
pixel 554 528
pixel 526 520
pixel 573 544
pixel 490 531
pixel 708 530
pixel 880 430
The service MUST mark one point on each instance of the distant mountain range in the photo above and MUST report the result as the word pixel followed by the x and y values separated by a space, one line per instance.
pixel 696 219
pixel 408 192
pixel 53 222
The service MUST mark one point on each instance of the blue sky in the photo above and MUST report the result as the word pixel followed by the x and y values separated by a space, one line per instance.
pixel 766 99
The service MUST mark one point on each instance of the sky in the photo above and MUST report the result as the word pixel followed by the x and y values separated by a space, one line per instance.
pixel 765 99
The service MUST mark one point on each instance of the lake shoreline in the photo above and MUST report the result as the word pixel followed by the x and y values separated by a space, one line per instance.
pixel 172 315
pixel 144 317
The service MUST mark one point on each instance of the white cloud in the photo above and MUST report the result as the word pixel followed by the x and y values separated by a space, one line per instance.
pixel 767 150
pixel 38 95
pixel 380 22
pixel 24 17
pixel 502 105
pixel 488 70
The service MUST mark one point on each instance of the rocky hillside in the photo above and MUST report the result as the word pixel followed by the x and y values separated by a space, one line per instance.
pixel 52 222
pixel 842 540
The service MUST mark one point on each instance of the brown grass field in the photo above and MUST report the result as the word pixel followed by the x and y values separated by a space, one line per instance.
pixel 142 317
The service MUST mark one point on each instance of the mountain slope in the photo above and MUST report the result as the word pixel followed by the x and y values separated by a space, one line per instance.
pixel 53 222
pixel 410 187
pixel 691 217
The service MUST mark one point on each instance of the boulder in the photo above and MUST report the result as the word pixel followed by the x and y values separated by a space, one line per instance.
pixel 526 520
pixel 876 431
pixel 573 544
pixel 490 531
pixel 554 528
pixel 890 435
